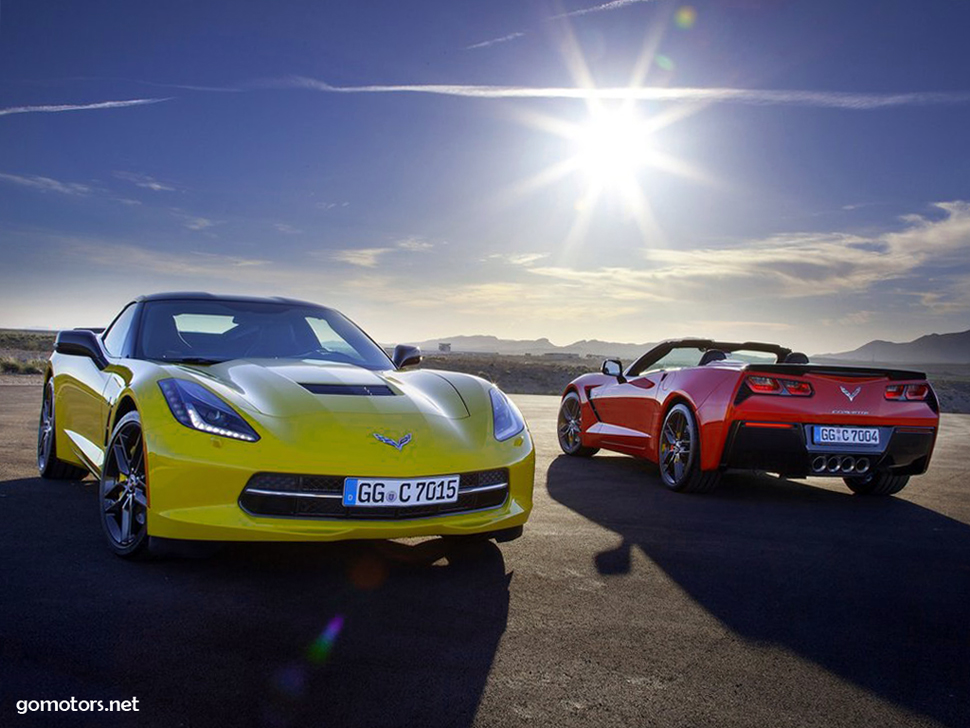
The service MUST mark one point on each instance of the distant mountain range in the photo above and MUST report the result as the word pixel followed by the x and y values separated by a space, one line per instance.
pixel 535 347
pixel 930 349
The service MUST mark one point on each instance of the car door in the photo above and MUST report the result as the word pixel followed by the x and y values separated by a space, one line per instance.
pixel 625 408
pixel 629 406
pixel 80 392
pixel 78 383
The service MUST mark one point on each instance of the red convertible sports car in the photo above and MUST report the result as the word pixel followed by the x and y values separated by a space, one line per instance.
pixel 698 407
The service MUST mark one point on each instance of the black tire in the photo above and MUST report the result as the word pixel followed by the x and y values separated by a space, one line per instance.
pixel 122 498
pixel 879 482
pixel 570 429
pixel 679 455
pixel 48 465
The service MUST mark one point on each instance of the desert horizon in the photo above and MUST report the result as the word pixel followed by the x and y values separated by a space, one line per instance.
pixel 23 354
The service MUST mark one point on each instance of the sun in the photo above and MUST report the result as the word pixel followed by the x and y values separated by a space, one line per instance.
pixel 614 147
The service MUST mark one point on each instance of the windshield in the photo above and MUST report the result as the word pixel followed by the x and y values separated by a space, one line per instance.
pixel 215 331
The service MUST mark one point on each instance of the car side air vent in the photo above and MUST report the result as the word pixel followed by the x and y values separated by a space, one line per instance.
pixel 358 390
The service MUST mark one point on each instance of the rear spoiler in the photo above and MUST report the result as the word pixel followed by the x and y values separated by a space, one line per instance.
pixel 799 370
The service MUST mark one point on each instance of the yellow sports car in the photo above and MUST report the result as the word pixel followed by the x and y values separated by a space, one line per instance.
pixel 217 418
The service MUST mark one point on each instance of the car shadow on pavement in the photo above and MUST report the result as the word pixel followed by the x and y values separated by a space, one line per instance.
pixel 874 590
pixel 346 634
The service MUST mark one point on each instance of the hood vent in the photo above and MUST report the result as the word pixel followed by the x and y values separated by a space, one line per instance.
pixel 357 390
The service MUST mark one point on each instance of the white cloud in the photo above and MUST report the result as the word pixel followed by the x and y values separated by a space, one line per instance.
pixel 287 229
pixel 144 181
pixel 330 205
pixel 622 284
pixel 363 257
pixel 199 223
pixel 155 262
pixel 51 109
pixel 913 279
pixel 928 259
pixel 46 184
pixel 757 97
pixel 524 259
pixel 415 245
pixel 371 257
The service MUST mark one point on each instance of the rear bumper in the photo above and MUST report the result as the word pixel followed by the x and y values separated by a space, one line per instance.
pixel 786 449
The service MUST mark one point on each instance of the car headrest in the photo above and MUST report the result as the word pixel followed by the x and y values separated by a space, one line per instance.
pixel 796 357
pixel 712 355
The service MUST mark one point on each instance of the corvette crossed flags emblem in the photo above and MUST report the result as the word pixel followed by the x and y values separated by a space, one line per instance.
pixel 396 444
pixel 851 395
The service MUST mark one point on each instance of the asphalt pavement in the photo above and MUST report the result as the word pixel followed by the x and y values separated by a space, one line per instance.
pixel 768 603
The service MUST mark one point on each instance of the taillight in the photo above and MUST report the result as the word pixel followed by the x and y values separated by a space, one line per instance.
pixel 764 385
pixel 796 388
pixel 909 392
pixel 786 387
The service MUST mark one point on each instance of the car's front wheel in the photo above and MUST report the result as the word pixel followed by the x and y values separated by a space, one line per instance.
pixel 123 500
pixel 877 483
pixel 570 427
pixel 680 454
pixel 48 465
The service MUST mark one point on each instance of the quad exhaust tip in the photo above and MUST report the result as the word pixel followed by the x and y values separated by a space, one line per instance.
pixel 840 464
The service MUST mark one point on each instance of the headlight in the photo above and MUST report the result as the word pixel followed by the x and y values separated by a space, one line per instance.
pixel 195 406
pixel 505 416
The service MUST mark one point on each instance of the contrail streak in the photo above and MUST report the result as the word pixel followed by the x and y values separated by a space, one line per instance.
pixel 824 99
pixel 53 109
pixel 615 5
pixel 494 41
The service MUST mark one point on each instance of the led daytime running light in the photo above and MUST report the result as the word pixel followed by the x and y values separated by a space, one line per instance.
pixel 200 424
pixel 199 409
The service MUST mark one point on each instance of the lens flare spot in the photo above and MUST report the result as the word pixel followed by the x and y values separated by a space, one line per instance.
pixel 664 62
pixel 290 681
pixel 685 17
pixel 319 650
pixel 368 572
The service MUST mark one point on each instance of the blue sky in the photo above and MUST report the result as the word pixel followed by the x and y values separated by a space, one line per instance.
pixel 792 171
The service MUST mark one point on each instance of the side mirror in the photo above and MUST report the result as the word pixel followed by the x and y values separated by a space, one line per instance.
pixel 81 342
pixel 405 356
pixel 614 368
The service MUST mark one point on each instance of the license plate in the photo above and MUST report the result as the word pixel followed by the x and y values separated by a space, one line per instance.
pixel 396 492
pixel 846 436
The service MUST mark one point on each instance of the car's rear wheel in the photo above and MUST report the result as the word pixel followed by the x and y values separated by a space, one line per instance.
pixel 47 463
pixel 570 427
pixel 123 498
pixel 877 483
pixel 680 454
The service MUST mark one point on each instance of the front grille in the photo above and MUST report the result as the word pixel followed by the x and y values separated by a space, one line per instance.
pixel 321 496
